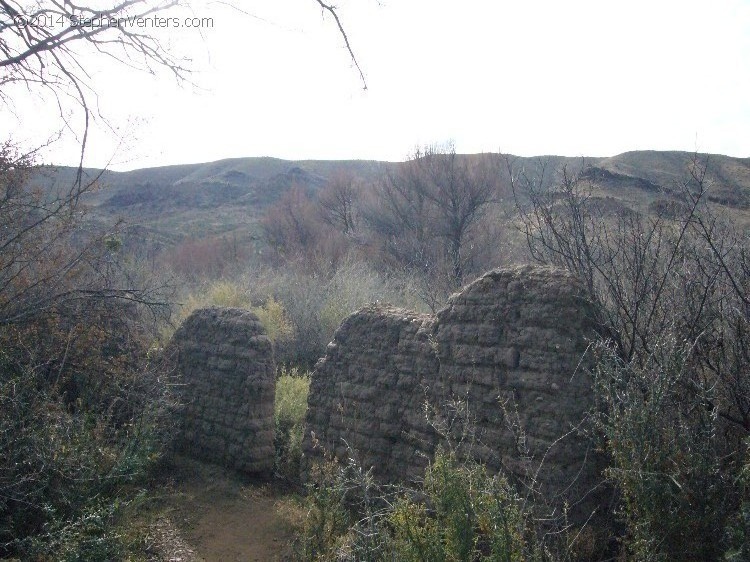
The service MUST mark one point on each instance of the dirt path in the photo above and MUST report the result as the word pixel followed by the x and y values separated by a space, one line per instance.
pixel 213 515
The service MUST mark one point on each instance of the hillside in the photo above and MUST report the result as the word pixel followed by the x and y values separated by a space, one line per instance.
pixel 163 205
pixel 167 204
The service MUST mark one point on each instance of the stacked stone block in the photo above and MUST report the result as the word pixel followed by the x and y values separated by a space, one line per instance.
pixel 510 348
pixel 513 345
pixel 227 372
pixel 366 395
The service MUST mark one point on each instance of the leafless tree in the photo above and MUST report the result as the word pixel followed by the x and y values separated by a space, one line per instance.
pixel 459 192
pixel 43 44
pixel 290 226
pixel 428 210
pixel 47 260
pixel 671 293
pixel 43 47
pixel 401 217
pixel 644 271
pixel 338 202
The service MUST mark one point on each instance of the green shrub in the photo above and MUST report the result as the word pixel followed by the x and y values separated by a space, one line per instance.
pixel 222 292
pixel 64 474
pixel 292 388
pixel 328 519
pixel 459 513
pixel 679 489
pixel 83 418
pixel 466 515
pixel 300 309
pixel 275 321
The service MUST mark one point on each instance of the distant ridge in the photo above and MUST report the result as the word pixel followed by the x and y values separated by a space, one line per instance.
pixel 214 198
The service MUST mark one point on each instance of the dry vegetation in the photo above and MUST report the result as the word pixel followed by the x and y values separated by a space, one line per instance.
pixel 668 272
pixel 86 400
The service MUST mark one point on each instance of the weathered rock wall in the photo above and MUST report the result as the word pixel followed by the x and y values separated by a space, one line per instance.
pixel 367 393
pixel 508 348
pixel 227 371
pixel 512 345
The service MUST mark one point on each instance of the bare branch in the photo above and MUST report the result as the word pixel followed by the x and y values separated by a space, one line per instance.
pixel 332 11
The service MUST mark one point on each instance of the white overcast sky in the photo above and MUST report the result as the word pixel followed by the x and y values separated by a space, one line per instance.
pixel 572 77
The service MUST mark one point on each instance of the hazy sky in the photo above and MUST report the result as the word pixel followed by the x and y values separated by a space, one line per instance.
pixel 527 77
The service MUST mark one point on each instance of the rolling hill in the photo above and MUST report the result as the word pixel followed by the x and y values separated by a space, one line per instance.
pixel 166 204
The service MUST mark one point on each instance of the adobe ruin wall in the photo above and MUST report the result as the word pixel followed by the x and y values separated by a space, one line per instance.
pixel 499 369
pixel 225 362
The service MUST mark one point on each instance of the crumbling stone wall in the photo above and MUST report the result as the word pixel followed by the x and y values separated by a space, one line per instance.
pixel 508 348
pixel 512 344
pixel 227 371
pixel 366 394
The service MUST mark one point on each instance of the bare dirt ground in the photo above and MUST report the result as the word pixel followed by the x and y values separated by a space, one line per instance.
pixel 209 514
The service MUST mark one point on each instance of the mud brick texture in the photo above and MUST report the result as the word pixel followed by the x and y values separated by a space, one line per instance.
pixel 500 372
pixel 225 363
